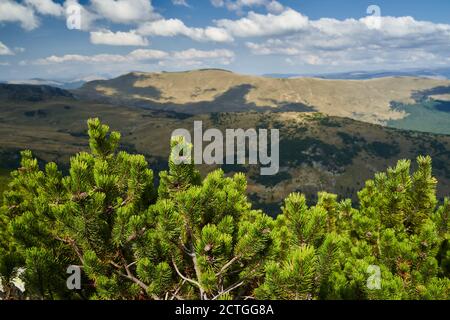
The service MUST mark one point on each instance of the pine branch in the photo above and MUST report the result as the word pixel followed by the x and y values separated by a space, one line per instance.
pixel 231 288
pixel 175 294
pixel 227 265
pixel 72 243
pixel 130 276
pixel 136 235
pixel 197 284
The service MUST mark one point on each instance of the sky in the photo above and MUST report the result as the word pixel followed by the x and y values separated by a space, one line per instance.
pixel 85 39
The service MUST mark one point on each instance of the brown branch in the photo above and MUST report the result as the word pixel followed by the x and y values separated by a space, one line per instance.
pixel 130 276
pixel 175 294
pixel 235 286
pixel 74 246
pixel 135 235
pixel 198 273
pixel 185 278
pixel 227 265
pixel 192 252
pixel 186 250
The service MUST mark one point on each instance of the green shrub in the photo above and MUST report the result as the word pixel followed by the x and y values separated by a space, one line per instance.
pixel 200 239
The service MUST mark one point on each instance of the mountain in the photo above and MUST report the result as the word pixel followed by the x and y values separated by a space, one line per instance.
pixel 388 101
pixel 286 75
pixel 330 133
pixel 37 82
pixel 317 152
pixel 63 84
pixel 443 73
pixel 32 93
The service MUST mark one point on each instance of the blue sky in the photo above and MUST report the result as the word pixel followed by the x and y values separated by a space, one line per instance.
pixel 246 36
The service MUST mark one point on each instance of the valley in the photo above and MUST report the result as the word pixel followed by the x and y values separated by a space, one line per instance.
pixel 331 137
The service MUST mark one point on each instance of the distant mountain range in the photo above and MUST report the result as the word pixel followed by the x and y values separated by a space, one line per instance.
pixel 63 84
pixel 365 75
pixel 376 100
pixel 329 134
pixel 31 93
pixel 412 103
pixel 76 83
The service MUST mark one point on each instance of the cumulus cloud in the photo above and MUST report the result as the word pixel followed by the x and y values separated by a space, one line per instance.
pixel 281 31
pixel 87 16
pixel 147 54
pixel 239 5
pixel 396 42
pixel 4 50
pixel 117 11
pixel 46 7
pixel 25 12
pixel 125 11
pixel 11 11
pixel 194 54
pixel 193 58
pixel 107 37
pixel 176 27
pixel 143 55
pixel 257 25
pixel 253 25
pixel 180 3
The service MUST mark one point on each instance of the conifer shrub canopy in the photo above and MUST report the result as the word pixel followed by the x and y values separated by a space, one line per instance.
pixel 194 238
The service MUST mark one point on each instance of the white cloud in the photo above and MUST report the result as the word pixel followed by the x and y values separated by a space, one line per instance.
pixel 272 46
pixel 77 58
pixel 398 42
pixel 239 5
pixel 147 54
pixel 107 37
pixel 46 7
pixel 4 64
pixel 257 25
pixel 274 7
pixel 164 28
pixel 87 16
pixel 125 11
pixel 193 58
pixel 4 50
pixel 200 57
pixel 180 3
pixel 194 54
pixel 11 11
pixel 176 27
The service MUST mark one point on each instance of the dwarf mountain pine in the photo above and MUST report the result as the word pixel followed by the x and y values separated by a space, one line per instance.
pixel 194 238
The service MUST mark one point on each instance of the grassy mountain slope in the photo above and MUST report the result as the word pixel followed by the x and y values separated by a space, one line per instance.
pixel 218 91
pixel 317 152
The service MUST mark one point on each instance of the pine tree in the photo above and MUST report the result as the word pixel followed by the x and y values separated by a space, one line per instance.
pixel 398 231
pixel 194 238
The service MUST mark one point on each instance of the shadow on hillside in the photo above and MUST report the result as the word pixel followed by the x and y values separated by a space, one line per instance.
pixel 233 100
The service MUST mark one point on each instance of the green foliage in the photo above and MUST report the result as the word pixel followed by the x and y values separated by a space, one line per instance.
pixel 4 180
pixel 200 239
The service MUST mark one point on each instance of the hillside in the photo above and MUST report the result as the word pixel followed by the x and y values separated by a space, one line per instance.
pixel 203 91
pixel 31 93
pixel 317 152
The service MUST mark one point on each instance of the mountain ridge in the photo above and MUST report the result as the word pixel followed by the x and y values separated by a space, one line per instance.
pixel 364 100
pixel 317 151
